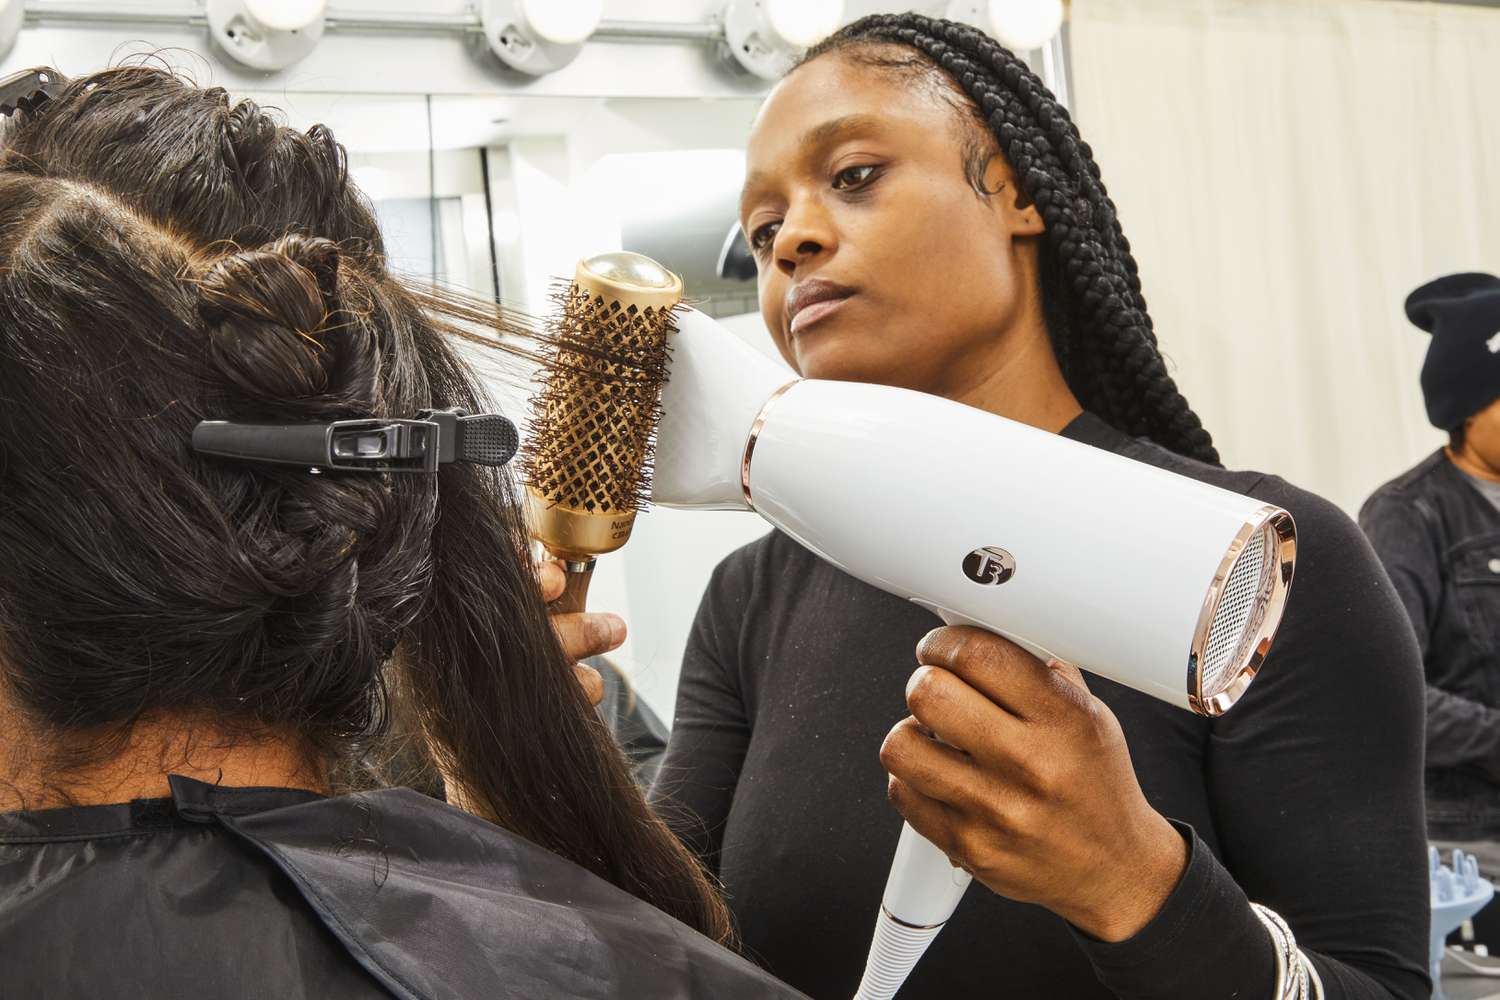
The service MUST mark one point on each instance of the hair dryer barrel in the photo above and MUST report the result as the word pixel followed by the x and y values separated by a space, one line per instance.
pixel 1160 582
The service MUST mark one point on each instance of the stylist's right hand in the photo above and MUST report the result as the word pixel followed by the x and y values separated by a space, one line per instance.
pixel 1021 776
pixel 583 634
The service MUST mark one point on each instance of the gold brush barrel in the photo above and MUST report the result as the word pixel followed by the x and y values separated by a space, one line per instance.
pixel 587 459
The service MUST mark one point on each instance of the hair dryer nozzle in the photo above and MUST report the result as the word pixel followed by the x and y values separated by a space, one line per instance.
pixel 719 385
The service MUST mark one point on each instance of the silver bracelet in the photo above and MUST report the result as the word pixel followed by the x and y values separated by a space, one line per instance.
pixel 1296 977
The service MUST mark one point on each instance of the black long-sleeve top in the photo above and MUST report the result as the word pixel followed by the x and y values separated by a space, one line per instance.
pixel 1306 797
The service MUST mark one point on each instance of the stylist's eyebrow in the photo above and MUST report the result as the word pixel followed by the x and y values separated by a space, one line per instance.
pixel 836 129
pixel 819 136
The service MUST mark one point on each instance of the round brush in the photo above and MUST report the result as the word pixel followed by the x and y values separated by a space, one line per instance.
pixel 587 459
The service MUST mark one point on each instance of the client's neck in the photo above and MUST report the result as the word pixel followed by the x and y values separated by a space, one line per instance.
pixel 191 746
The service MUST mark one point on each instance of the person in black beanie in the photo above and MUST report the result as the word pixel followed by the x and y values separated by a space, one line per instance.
pixel 1437 530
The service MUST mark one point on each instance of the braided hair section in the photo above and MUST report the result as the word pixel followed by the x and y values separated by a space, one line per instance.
pixel 1097 317
pixel 327 570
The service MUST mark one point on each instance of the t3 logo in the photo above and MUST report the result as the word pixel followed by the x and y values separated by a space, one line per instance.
pixel 990 565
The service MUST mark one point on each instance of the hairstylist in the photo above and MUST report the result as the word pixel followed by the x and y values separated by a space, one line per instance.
pixel 924 214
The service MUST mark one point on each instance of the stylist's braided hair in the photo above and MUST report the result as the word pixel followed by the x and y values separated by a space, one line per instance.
pixel 1096 315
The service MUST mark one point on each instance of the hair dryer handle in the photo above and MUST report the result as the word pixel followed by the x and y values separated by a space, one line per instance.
pixel 924 887
pixel 921 894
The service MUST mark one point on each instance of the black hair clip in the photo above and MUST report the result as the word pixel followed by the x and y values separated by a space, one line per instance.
pixel 417 445
pixel 29 90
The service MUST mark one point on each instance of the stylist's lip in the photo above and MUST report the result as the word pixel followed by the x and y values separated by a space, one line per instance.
pixel 812 300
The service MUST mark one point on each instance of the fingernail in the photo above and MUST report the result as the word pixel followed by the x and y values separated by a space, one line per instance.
pixel 616 628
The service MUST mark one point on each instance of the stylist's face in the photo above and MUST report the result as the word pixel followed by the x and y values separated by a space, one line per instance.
pixel 878 260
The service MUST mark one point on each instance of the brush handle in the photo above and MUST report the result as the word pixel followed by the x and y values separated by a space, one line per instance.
pixel 575 595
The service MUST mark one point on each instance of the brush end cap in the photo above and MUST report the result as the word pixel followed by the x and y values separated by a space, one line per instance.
pixel 631 278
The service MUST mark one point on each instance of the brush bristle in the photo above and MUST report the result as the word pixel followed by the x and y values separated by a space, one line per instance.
pixel 594 416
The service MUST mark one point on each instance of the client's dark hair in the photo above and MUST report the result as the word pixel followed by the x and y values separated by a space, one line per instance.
pixel 1096 317
pixel 168 257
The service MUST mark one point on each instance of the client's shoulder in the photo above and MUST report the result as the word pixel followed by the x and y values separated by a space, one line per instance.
pixel 410 875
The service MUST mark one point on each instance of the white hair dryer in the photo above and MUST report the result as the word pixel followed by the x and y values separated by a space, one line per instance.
pixel 1162 583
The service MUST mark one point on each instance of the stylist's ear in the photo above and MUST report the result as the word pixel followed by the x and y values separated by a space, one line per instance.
pixel 1018 212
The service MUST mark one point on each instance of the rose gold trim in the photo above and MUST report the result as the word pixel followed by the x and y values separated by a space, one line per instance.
pixel 908 923
pixel 760 421
pixel 1272 602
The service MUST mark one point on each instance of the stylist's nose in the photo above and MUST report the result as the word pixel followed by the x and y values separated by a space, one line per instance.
pixel 806 237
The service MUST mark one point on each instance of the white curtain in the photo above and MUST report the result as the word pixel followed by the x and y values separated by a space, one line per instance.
pixel 1286 173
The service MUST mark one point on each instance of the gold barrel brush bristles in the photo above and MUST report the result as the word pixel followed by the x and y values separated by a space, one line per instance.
pixel 587 458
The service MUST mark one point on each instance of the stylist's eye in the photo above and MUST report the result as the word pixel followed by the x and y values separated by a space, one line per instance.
pixel 761 238
pixel 854 177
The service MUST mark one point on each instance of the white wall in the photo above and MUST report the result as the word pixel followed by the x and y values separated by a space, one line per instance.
pixel 1287 173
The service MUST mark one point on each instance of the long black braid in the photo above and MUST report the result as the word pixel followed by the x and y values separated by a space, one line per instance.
pixel 1091 288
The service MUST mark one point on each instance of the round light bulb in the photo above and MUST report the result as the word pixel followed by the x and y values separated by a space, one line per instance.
pixel 1024 25
pixel 804 23
pixel 286 15
pixel 563 22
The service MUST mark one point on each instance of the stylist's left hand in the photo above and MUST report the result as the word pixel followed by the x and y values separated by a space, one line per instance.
pixel 1034 792
pixel 582 634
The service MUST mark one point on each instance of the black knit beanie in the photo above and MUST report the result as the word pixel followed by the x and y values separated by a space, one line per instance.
pixel 1461 375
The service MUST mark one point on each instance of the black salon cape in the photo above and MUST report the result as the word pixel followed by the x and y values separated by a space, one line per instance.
pixel 274 893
